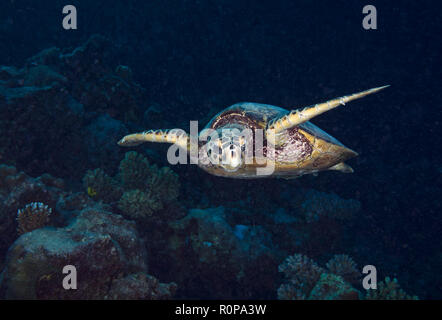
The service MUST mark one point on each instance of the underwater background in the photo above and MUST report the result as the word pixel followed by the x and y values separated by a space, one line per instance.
pixel 136 227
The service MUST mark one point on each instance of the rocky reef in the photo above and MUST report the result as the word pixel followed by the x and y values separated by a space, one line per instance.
pixel 141 191
pixel 107 251
pixel 59 105
pixel 111 238
pixel 305 280
pixel 17 191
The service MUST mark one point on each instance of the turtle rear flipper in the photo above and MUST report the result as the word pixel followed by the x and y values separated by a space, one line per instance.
pixel 342 167
pixel 176 136
pixel 298 116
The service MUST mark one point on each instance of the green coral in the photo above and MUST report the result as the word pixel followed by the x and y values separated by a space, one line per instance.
pixel 101 186
pixel 141 189
pixel 333 287
pixel 302 274
pixel 135 171
pixel 167 180
pixel 344 266
pixel 305 280
pixel 288 291
pixel 389 290
pixel 138 204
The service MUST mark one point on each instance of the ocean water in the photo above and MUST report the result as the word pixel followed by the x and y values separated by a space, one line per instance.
pixel 82 217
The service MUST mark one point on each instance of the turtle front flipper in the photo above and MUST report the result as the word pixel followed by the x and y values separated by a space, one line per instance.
pixel 176 136
pixel 298 116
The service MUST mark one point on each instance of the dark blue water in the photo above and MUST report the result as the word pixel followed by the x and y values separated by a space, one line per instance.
pixel 63 111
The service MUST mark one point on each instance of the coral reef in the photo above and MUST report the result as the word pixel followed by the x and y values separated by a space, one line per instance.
pixel 27 116
pixel 344 266
pixel 140 286
pixel 135 171
pixel 101 186
pixel 33 216
pixel 287 291
pixel 205 255
pixel 139 188
pixel 302 274
pixel 100 135
pixel 139 205
pixel 333 287
pixel 104 248
pixel 388 290
pixel 17 190
pixel 72 102
pixel 305 280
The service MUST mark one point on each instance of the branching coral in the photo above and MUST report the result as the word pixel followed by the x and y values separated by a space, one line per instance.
pixel 344 266
pixel 288 291
pixel 332 287
pixel 149 188
pixel 306 280
pixel 33 216
pixel 389 290
pixel 135 171
pixel 101 186
pixel 141 189
pixel 302 274
pixel 138 204
pixel 165 180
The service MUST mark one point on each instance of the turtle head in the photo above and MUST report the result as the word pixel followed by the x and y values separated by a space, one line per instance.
pixel 226 149
pixel 232 157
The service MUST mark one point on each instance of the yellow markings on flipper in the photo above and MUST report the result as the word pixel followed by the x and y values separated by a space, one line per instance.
pixel 298 116
pixel 176 136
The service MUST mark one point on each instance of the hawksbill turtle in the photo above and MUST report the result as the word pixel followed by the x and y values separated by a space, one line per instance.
pixel 291 145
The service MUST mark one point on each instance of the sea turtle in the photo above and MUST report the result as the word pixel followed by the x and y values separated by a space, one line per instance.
pixel 290 145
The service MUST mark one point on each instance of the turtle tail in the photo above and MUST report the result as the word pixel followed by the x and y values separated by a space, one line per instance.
pixel 176 136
